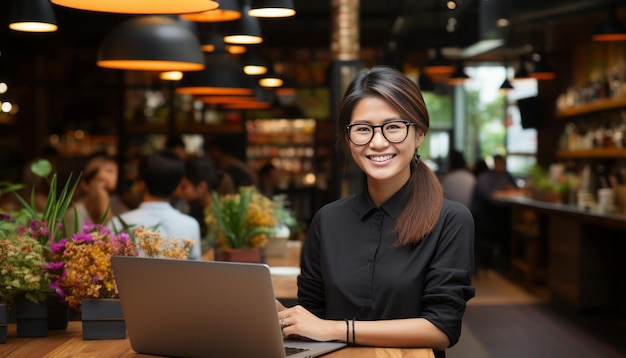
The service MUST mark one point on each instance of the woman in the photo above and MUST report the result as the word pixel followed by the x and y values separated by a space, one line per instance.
pixel 390 266
pixel 97 201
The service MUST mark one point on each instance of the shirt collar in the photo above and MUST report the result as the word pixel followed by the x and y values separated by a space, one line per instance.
pixel 364 205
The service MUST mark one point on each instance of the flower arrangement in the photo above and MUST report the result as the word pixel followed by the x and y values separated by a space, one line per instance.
pixel 241 220
pixel 22 258
pixel 26 234
pixel 81 265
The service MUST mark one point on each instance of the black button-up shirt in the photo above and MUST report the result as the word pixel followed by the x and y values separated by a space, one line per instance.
pixel 351 267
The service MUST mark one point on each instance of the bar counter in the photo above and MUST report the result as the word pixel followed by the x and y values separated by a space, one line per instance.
pixel 585 251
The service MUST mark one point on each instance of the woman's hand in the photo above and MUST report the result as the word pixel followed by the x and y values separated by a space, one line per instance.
pixel 297 321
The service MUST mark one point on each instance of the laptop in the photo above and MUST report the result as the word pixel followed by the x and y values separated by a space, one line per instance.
pixel 185 308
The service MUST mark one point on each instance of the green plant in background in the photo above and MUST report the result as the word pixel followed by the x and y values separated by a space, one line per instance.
pixel 540 180
pixel 56 203
pixel 245 219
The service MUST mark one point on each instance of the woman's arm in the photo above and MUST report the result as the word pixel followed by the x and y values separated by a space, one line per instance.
pixel 409 332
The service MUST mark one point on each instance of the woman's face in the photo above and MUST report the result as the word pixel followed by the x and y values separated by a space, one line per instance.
pixel 379 159
pixel 108 175
pixel 187 190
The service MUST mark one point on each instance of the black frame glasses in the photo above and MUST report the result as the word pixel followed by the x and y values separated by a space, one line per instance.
pixel 385 127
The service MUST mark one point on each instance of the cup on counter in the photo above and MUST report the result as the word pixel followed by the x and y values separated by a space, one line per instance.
pixel 606 200
pixel 584 199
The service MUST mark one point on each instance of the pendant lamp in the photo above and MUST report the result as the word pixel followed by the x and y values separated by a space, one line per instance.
pixel 541 71
pixel 458 77
pixel 253 64
pixel 270 79
pixel 611 29
pixel 506 86
pixel 438 65
pixel 211 42
pixel 245 31
pixel 32 16
pixel 143 7
pixel 272 8
pixel 151 43
pixel 228 10
pixel 222 75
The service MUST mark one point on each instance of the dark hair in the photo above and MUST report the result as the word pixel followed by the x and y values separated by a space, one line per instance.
pixel 161 172
pixel 174 142
pixel 457 160
pixel 425 195
pixel 201 169
pixel 94 164
pixel 266 169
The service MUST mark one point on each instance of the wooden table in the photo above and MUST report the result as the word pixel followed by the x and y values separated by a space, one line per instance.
pixel 69 342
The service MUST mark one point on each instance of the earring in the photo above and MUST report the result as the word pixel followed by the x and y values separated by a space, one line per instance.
pixel 417 156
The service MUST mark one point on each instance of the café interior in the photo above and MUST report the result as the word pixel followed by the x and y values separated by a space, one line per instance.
pixel 541 82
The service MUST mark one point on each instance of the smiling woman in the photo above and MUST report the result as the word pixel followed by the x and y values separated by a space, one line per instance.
pixel 390 266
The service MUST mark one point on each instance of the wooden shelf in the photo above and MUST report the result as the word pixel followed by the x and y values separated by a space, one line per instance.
pixel 593 153
pixel 198 128
pixel 596 106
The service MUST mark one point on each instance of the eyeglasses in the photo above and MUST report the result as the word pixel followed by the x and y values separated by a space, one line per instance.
pixel 393 132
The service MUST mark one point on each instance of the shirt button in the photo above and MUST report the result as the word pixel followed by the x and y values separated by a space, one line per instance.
pixel 369 265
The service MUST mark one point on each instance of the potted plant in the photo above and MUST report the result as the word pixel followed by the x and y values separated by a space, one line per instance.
pixel 82 273
pixel 242 223
pixel 24 282
pixel 45 226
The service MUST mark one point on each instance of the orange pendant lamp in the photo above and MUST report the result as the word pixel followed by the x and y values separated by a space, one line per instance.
pixel 229 10
pixel 145 7
pixel 151 43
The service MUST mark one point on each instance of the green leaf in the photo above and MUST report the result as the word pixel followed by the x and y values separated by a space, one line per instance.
pixel 41 168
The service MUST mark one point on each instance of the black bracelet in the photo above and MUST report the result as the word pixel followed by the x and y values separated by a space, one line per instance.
pixel 353 332
pixel 347 331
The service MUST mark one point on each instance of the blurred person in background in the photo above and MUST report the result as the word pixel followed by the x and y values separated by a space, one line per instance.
pixel 160 173
pixel 96 199
pixel 458 183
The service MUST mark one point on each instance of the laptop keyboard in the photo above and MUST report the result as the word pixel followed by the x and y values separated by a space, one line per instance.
pixel 294 350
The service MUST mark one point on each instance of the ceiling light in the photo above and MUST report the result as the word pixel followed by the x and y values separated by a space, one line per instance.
pixel 171 76
pixel 32 16
pixel 228 10
pixel 541 70
pixel 611 29
pixel 438 64
pixel 236 49
pixel 221 76
pixel 144 7
pixel 506 86
pixel 272 8
pixel 151 43
pixel 270 79
pixel 254 64
pixel 245 31
pixel 458 77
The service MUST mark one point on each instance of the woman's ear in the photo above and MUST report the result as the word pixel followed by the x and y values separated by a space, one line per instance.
pixel 419 138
